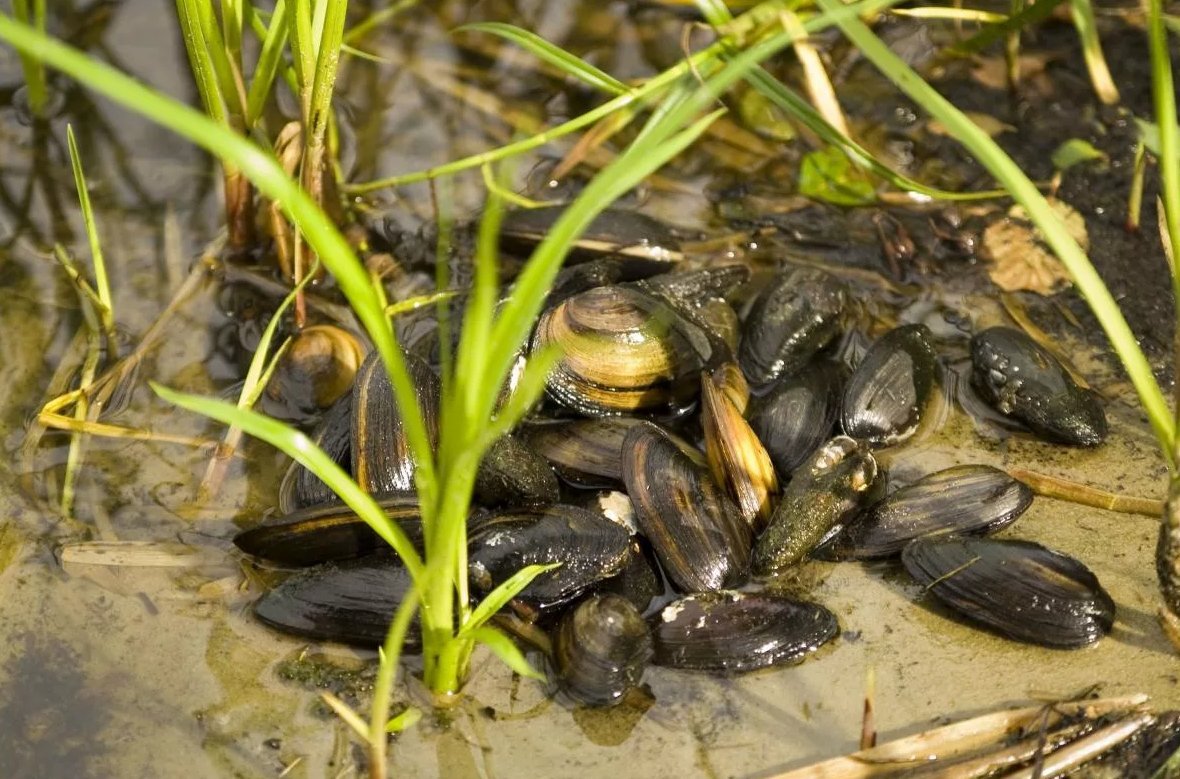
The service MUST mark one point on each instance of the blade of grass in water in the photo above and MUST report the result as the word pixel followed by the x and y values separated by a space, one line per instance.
pixel 1000 165
pixel 36 86
pixel 102 284
pixel 270 58
pixel 546 51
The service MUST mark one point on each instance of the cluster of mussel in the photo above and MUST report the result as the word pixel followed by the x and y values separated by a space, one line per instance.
pixel 662 546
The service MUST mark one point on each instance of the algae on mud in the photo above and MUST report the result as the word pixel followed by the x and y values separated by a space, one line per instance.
pixel 175 676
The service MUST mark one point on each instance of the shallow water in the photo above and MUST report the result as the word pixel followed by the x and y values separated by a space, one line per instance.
pixel 161 671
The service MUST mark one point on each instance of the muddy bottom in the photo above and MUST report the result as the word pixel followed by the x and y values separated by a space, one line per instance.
pixel 113 667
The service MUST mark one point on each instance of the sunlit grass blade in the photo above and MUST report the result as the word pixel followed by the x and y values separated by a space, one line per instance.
pixel 102 284
pixel 951 14
pixel 270 58
pixel 404 721
pixel 303 450
pixel 1032 14
pixel 1100 78
pixel 386 675
pixel 376 19
pixel 500 596
pixel 36 85
pixel 559 58
pixel 504 648
pixel 1000 165
pixel 200 59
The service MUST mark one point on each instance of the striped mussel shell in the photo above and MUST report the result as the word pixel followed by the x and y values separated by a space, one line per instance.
pixel 1019 589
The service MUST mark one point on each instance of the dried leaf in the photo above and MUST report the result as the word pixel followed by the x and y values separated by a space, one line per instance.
pixel 1021 260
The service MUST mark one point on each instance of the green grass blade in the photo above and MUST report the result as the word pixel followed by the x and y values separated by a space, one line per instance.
pixel 504 648
pixel 991 156
pixel 545 51
pixel 386 675
pixel 1163 91
pixel 1100 78
pixel 35 83
pixel 1033 14
pixel 304 451
pixel 102 283
pixel 499 598
pixel 200 60
pixel 331 33
pixel 270 58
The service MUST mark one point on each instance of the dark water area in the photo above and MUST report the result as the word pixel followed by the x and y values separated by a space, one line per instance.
pixel 147 661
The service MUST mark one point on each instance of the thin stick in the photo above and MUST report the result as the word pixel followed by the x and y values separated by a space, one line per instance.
pixel 1075 492
pixel 868 726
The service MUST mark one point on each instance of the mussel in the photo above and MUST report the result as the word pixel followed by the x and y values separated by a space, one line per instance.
pixel 588 547
pixel 328 532
pixel 793 318
pixel 1018 588
pixel 797 415
pixel 734 632
pixel 615 231
pixel 736 457
pixel 602 648
pixel 512 474
pixel 584 452
pixel 1023 380
pixel 697 532
pixel 351 601
pixel 826 491
pixel 965 499
pixel 884 399
pixel 623 351
pixel 318 368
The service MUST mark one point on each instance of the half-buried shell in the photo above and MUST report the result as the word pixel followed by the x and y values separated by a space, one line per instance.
pixel 887 393
pixel 602 649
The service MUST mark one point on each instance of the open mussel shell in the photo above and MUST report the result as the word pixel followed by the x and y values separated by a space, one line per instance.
pixel 1023 380
pixel 329 532
pixel 603 647
pixel 965 500
pixel 798 415
pixel 884 399
pixel 351 602
pixel 300 487
pixel 512 474
pixel 736 457
pixel 697 532
pixel 584 452
pixel 796 315
pixel 1018 588
pixel 623 351
pixel 382 462
pixel 734 632
pixel 827 491
pixel 588 546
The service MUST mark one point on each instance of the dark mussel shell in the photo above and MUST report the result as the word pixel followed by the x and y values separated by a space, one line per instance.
pixel 798 415
pixel 588 546
pixel 697 532
pixel 615 231
pixel 602 272
pixel 793 318
pixel 884 399
pixel 965 499
pixel 300 487
pixel 1023 380
pixel 330 532
pixel 351 602
pixel 602 649
pixel 825 492
pixel 584 452
pixel 382 462
pixel 623 351
pixel 734 632
pixel 689 291
pixel 512 474
pixel 639 581
pixel 1017 588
